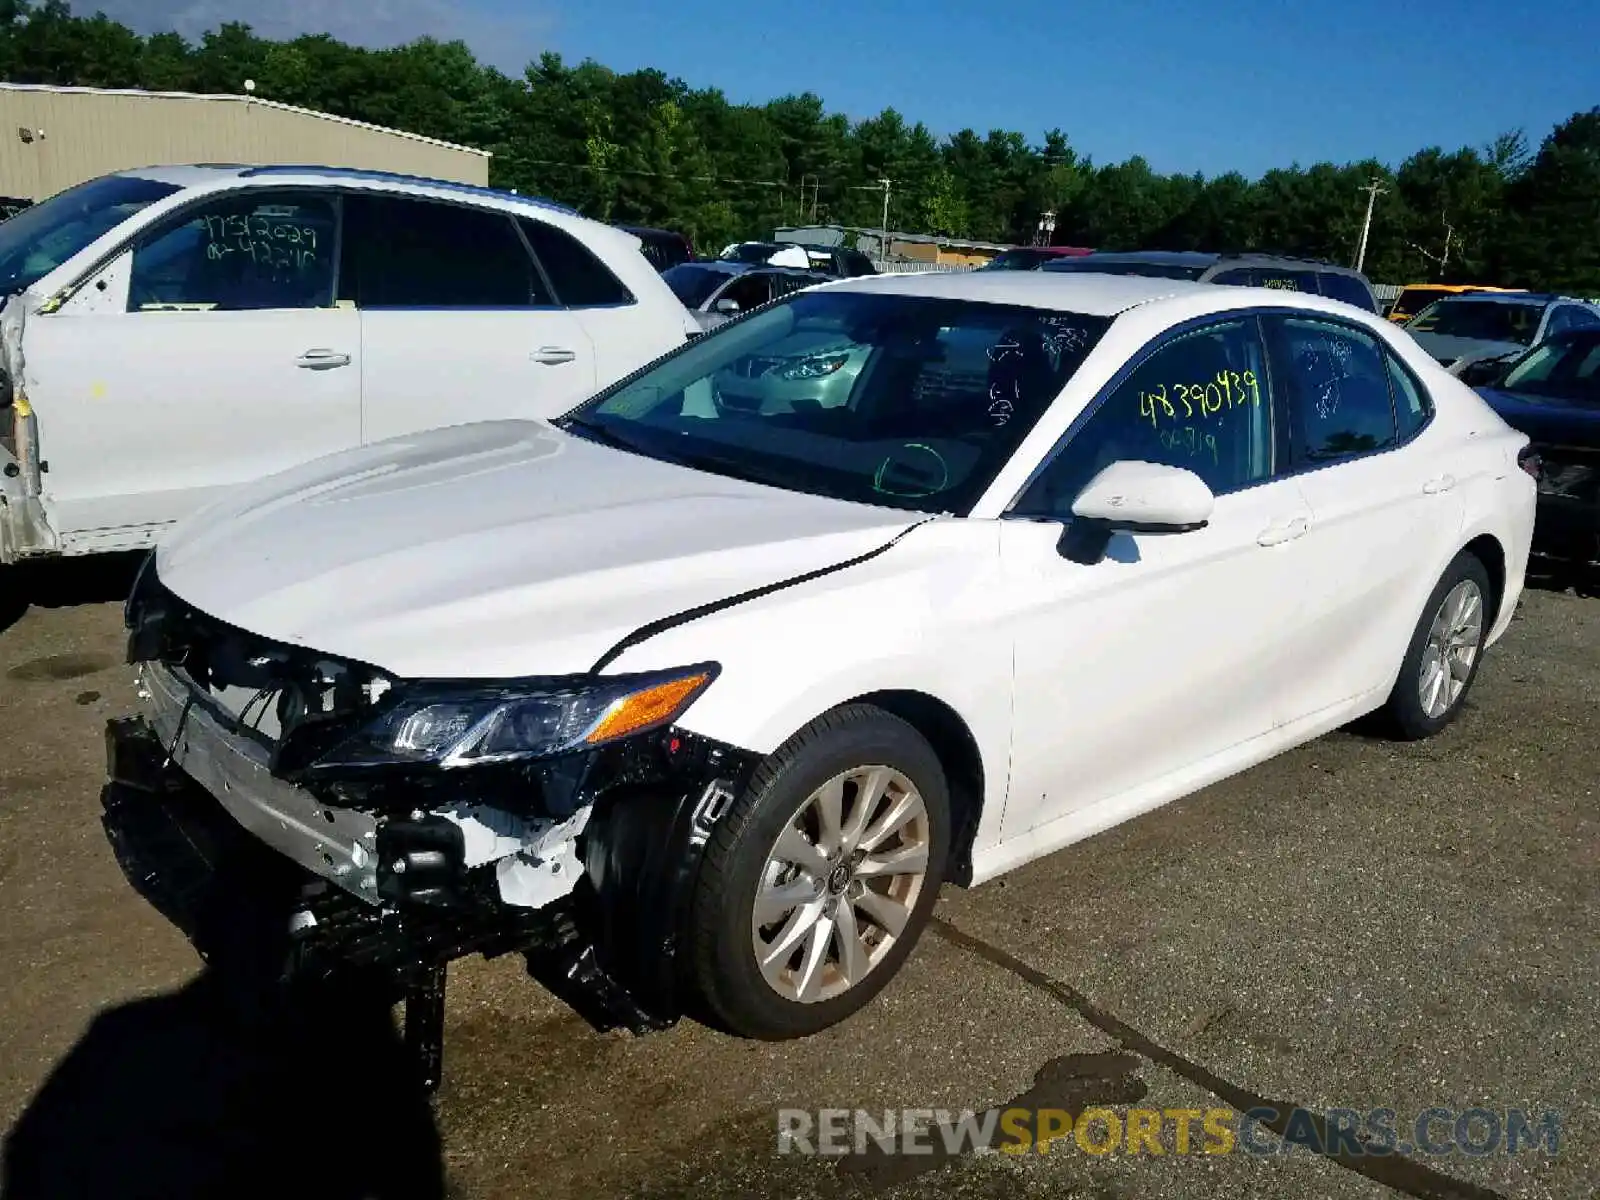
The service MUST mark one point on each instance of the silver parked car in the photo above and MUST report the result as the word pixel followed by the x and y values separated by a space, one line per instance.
pixel 1472 331
pixel 718 291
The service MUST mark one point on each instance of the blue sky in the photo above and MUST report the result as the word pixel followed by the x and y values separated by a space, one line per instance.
pixel 1228 85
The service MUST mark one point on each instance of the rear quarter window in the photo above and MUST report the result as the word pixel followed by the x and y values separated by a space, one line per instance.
pixel 1348 289
pixel 578 277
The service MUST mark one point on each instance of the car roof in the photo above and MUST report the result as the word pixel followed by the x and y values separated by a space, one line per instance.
pixel 1091 294
pixel 1505 298
pixel 719 266
pixel 1054 251
pixel 201 175
pixel 1199 259
pixel 652 231
pixel 1166 258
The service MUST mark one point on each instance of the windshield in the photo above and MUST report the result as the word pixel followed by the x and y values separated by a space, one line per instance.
pixel 694 285
pixel 907 401
pixel 1150 269
pixel 1566 367
pixel 39 239
pixel 1480 320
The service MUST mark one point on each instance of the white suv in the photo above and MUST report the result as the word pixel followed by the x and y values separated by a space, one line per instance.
pixel 175 331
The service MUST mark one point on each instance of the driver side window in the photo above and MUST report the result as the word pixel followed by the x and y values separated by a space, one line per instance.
pixel 1201 402
pixel 244 250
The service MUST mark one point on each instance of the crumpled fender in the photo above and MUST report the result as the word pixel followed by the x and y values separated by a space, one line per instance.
pixel 24 528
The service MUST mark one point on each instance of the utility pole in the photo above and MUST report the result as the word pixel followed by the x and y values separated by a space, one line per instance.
pixel 883 241
pixel 1373 190
pixel 815 183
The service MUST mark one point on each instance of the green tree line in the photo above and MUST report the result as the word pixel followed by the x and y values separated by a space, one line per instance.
pixel 645 148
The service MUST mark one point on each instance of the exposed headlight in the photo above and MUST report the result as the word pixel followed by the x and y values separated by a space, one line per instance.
pixel 464 726
pixel 814 366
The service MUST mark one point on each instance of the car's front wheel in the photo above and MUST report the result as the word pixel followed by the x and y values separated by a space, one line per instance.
pixel 821 876
pixel 1446 647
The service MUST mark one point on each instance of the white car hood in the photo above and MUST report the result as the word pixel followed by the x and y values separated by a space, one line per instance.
pixel 498 549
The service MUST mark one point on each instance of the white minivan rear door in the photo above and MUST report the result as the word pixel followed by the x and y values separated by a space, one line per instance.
pixel 457 322
pixel 213 354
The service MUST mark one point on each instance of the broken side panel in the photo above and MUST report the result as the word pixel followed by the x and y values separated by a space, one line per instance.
pixel 24 528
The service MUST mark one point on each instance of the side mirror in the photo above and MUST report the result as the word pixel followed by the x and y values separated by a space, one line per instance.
pixel 1134 497
pixel 729 307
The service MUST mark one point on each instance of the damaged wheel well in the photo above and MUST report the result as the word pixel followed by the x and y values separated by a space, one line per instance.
pixel 957 750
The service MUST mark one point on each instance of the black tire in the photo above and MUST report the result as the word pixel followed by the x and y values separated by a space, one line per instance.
pixel 1403 714
pixel 725 971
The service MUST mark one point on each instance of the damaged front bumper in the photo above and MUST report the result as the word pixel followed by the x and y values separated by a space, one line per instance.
pixel 588 875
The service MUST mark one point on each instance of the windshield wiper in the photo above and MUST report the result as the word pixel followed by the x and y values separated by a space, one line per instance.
pixel 603 434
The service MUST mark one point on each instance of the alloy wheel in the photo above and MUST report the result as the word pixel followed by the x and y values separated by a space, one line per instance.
pixel 1451 649
pixel 840 883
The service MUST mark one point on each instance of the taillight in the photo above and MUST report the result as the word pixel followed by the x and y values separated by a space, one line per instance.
pixel 1528 459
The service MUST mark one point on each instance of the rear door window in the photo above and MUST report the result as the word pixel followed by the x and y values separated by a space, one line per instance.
pixel 1236 277
pixel 1339 391
pixel 401 252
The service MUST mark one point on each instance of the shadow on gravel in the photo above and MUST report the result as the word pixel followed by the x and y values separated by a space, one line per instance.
pixel 236 1085
pixel 177 1097
pixel 65 583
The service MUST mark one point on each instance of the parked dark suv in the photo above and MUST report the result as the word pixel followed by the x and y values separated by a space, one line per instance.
pixel 1308 275
pixel 830 260
pixel 664 248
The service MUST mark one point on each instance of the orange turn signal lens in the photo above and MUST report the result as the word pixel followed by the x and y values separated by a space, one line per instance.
pixel 646 708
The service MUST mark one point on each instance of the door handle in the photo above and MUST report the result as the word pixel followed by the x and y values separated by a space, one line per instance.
pixel 1442 484
pixel 1283 531
pixel 554 356
pixel 321 360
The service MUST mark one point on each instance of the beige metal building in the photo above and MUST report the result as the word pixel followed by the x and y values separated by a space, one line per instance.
pixel 54 137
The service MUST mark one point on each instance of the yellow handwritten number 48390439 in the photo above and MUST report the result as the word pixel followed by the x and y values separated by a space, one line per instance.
pixel 1229 390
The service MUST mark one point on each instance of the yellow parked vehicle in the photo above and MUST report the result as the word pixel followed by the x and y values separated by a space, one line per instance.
pixel 1415 297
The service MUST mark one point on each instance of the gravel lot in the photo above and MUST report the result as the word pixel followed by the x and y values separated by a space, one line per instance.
pixel 1354 925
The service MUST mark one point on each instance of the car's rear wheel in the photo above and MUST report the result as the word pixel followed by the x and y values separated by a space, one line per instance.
pixel 1446 648
pixel 820 878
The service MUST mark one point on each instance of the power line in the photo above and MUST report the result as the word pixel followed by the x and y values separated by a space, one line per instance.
pixel 814 182
pixel 549 162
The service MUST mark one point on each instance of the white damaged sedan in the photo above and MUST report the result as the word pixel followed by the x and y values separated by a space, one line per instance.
pixel 696 695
